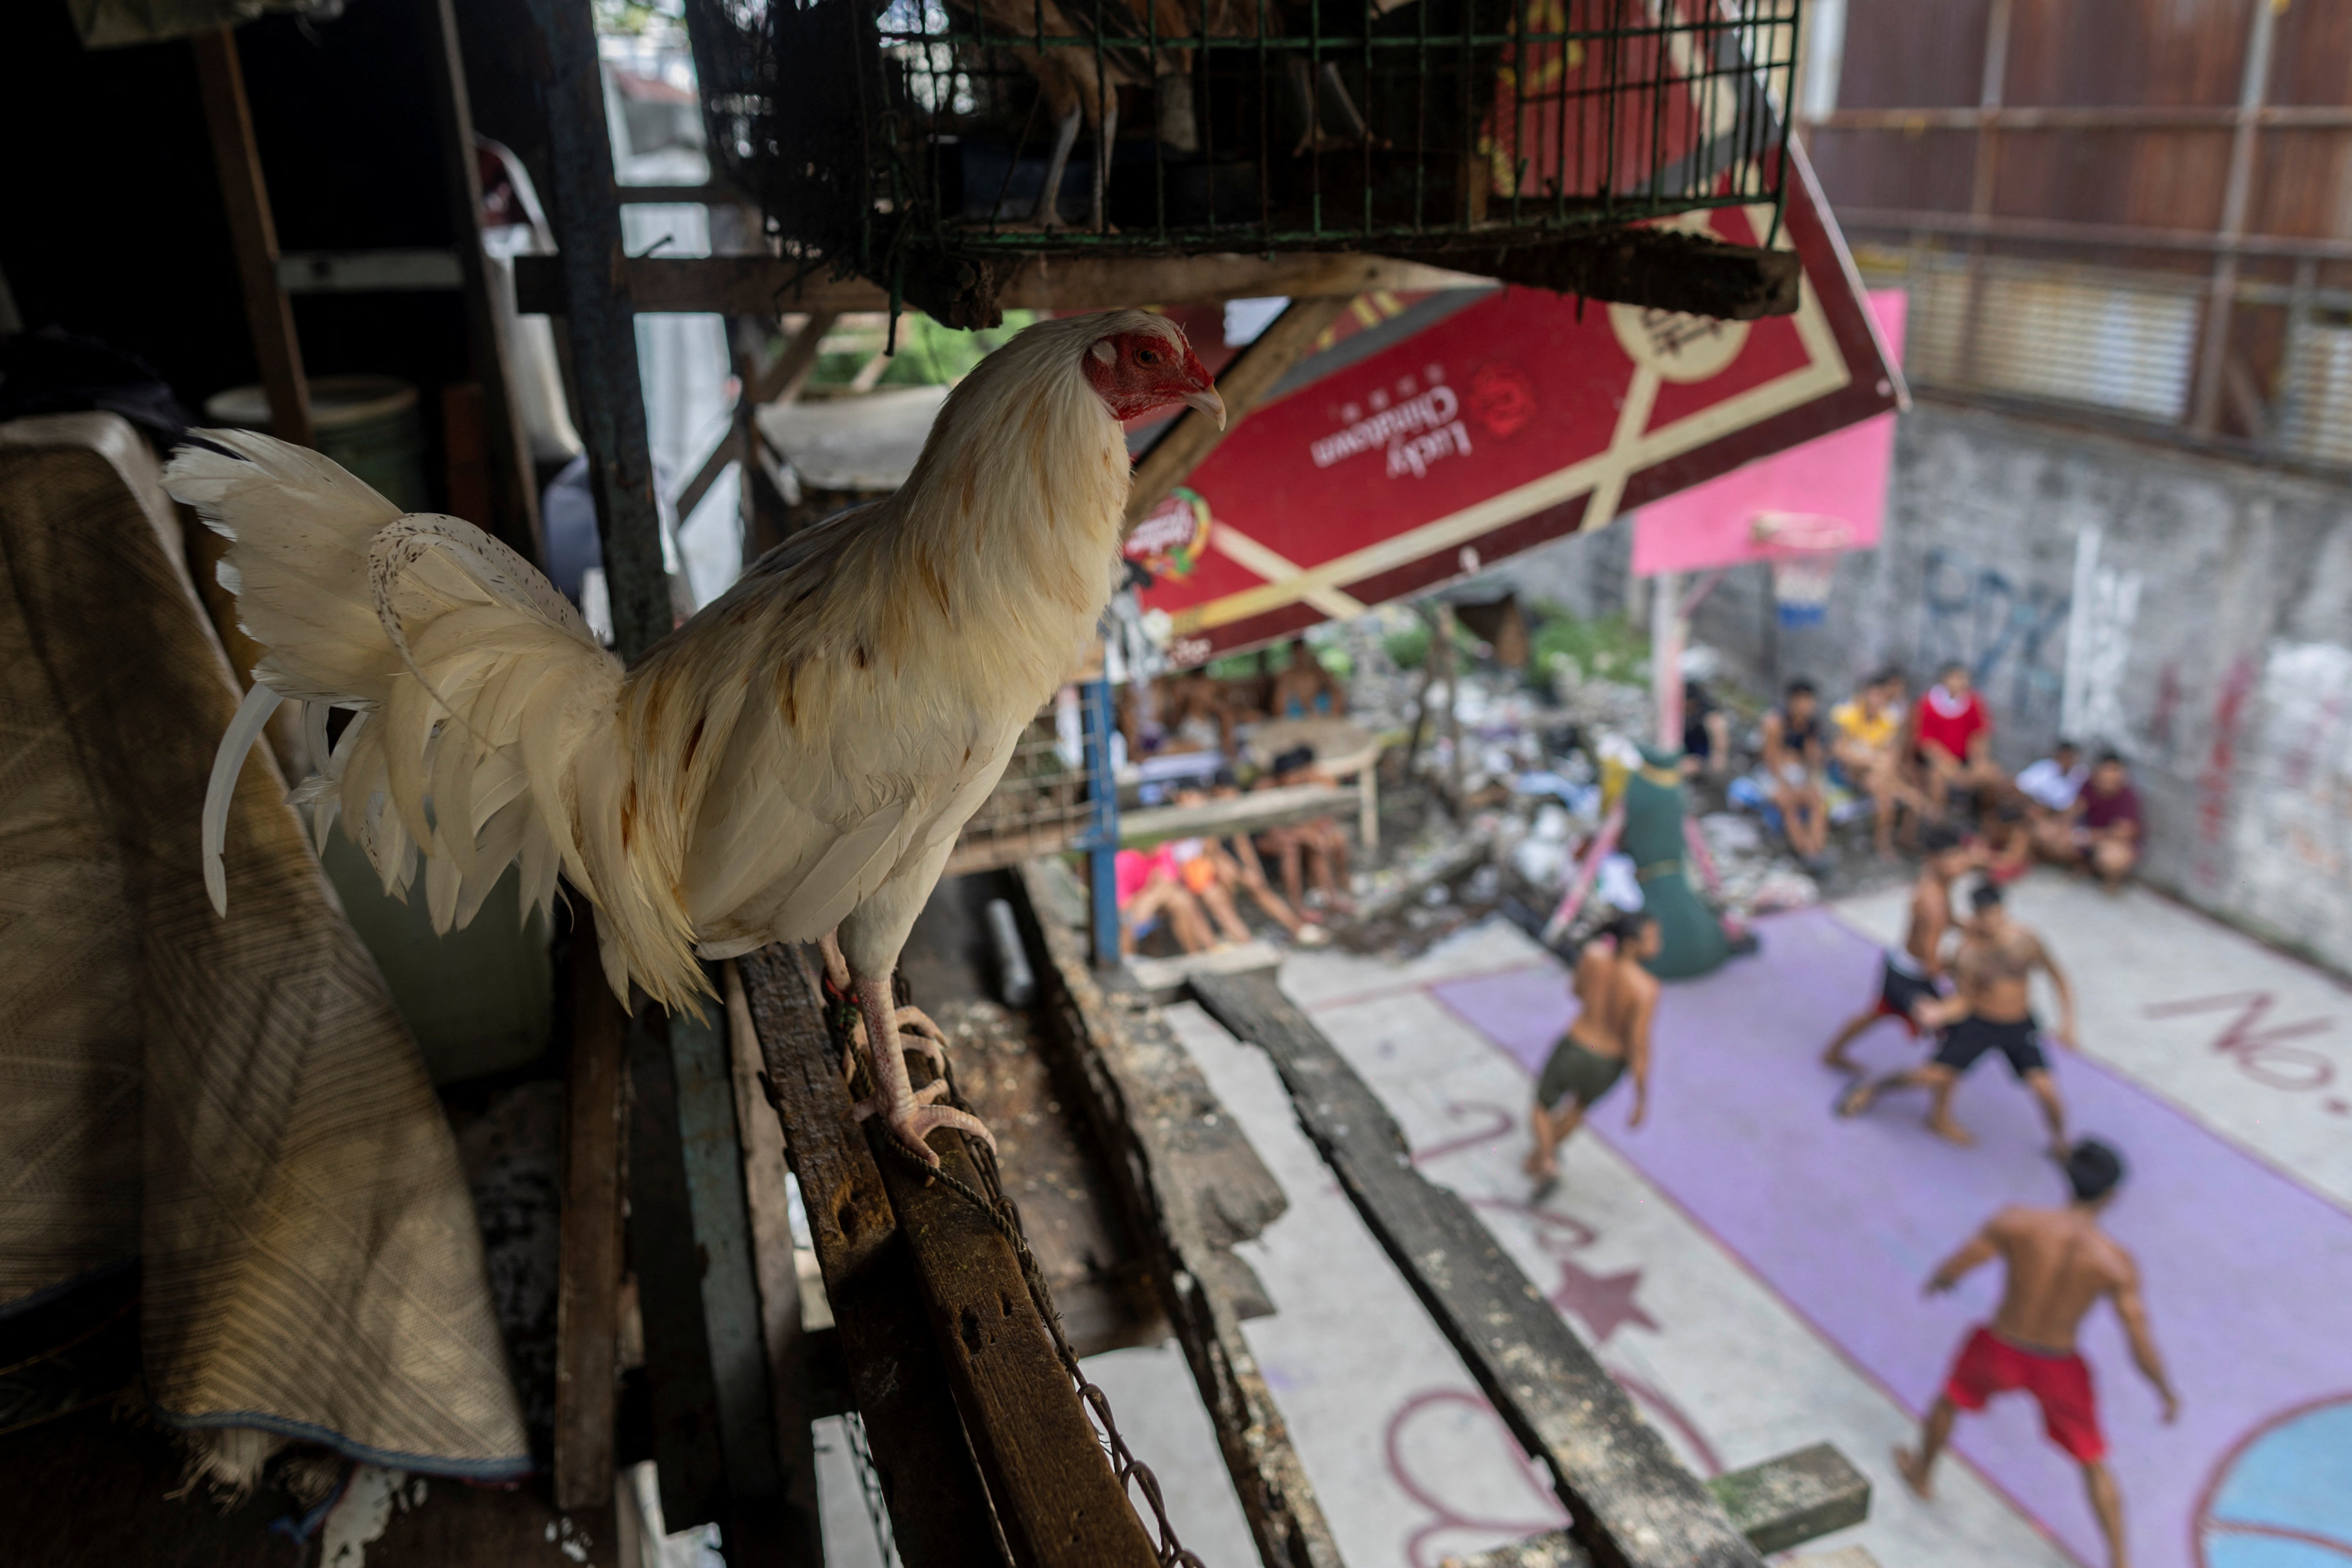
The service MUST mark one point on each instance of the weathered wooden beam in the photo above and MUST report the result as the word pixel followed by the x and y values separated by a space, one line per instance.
pixel 781 381
pixel 1056 1496
pixel 1657 268
pixel 600 323
pixel 770 285
pixel 666 1257
pixel 791 1400
pixel 1191 1186
pixel 588 1284
pixel 1785 1503
pixel 1778 1505
pixel 940 1513
pixel 1253 812
pixel 1243 383
pixel 252 235
pixel 1630 1503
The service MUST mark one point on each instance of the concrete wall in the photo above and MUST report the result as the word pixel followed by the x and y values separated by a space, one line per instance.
pixel 2194 612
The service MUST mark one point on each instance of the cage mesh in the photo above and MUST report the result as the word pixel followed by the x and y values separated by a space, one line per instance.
pixel 913 141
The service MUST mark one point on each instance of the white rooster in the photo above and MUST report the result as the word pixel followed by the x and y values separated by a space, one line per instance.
pixel 797 758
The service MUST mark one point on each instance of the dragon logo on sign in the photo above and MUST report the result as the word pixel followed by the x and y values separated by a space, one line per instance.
pixel 1502 398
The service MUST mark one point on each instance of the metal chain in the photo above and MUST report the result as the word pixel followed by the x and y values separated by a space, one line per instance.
pixel 869 1486
pixel 1004 1215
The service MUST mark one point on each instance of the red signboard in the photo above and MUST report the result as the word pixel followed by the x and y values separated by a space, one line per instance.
pixel 1512 421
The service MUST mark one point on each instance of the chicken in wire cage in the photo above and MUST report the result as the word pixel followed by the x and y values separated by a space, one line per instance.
pixel 928 143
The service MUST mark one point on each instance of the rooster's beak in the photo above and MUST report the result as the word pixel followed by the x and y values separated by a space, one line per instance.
pixel 1207 401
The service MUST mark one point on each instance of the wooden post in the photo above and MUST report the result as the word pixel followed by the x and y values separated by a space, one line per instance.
pixel 940 1510
pixel 515 494
pixel 268 314
pixel 1630 1503
pixel 782 1332
pixel 600 324
pixel 588 1288
pixel 2237 197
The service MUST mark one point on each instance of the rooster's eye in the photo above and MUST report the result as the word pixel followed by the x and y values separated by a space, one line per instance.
pixel 1147 356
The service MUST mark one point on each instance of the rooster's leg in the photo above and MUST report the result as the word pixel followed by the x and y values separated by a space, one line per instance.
pixel 1099 220
pixel 916 1030
pixel 906 1113
pixel 1048 213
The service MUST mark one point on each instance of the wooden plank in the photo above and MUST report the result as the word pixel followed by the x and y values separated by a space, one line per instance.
pixel 587 1302
pixel 939 1512
pixel 1192 1187
pixel 1657 268
pixel 713 1155
pixel 770 285
pixel 775 1268
pixel 780 383
pixel 1243 385
pixel 253 233
pixel 593 295
pixel 512 479
pixel 1778 1505
pixel 1252 813
pixel 667 1258
pixel 1058 1500
pixel 1630 1503
pixel 1785 1503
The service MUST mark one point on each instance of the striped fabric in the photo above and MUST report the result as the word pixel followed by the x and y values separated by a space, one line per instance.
pixel 232 1101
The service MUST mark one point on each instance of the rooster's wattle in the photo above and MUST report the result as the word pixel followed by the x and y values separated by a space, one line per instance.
pixel 795 760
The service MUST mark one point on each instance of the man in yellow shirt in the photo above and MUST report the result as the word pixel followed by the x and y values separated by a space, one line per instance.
pixel 1866 752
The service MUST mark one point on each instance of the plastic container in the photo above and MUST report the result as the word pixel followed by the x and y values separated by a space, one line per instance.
pixel 369 423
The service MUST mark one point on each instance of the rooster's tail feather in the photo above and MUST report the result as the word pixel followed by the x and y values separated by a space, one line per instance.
pixel 477 688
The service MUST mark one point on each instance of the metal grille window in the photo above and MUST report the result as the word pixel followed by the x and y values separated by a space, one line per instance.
pixel 2316 407
pixel 900 139
pixel 2121 342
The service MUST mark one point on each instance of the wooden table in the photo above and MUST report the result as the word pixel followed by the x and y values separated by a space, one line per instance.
pixel 1342 747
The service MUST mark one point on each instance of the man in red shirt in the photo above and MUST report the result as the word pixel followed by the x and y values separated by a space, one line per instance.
pixel 2106 821
pixel 1952 736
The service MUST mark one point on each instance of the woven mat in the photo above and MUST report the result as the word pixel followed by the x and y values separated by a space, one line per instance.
pixel 232 1101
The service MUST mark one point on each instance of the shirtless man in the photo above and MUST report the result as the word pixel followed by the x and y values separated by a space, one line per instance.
pixel 2060 1264
pixel 1908 975
pixel 1991 1011
pixel 1610 1035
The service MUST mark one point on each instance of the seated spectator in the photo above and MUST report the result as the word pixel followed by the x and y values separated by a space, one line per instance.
pixel 1951 736
pixel 1220 865
pixel 1792 767
pixel 2050 786
pixel 2006 850
pixel 1706 734
pixel 1867 754
pixel 1193 711
pixel 1149 885
pixel 2108 830
pixel 1306 690
pixel 1317 849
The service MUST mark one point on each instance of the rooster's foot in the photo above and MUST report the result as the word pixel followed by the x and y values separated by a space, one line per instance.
pixel 919 1116
pixel 916 1033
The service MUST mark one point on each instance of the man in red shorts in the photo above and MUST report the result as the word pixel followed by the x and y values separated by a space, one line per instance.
pixel 2060 1265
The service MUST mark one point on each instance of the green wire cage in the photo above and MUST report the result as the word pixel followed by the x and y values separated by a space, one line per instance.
pixel 924 144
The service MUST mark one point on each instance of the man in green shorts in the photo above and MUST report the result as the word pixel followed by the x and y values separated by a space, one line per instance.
pixel 1610 1035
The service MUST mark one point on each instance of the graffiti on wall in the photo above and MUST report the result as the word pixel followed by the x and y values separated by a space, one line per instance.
pixel 2010 637
pixel 2098 647
pixel 2291 834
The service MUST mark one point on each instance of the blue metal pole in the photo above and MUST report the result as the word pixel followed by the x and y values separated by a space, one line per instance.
pixel 1102 836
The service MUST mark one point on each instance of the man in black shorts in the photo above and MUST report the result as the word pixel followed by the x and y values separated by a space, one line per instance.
pixel 1910 974
pixel 1991 1012
pixel 1609 1037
